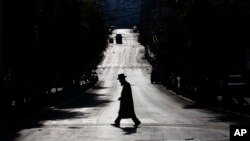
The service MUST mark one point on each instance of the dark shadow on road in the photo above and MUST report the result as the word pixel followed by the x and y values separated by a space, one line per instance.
pixel 233 119
pixel 9 130
pixel 99 87
pixel 194 106
pixel 218 115
pixel 59 114
pixel 215 111
pixel 87 100
pixel 73 127
pixel 129 130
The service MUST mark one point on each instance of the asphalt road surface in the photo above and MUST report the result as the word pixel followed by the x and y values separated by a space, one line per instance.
pixel 164 115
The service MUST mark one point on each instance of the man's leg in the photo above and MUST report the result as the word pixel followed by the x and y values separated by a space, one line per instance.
pixel 136 120
pixel 117 121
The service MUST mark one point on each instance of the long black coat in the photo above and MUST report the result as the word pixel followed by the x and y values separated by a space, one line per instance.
pixel 126 102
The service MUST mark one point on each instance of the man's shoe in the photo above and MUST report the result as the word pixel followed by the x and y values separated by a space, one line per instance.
pixel 115 124
pixel 137 124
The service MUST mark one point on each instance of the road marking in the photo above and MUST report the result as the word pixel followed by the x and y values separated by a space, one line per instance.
pixel 129 123
pixel 147 121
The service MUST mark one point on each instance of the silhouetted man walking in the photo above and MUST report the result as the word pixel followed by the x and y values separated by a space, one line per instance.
pixel 126 103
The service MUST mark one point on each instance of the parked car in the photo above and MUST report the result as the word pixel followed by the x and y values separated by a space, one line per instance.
pixel 89 78
pixel 156 76
pixel 93 77
pixel 111 40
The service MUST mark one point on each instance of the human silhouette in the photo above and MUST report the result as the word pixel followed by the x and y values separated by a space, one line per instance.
pixel 126 103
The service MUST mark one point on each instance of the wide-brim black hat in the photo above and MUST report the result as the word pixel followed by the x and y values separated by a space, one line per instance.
pixel 121 76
